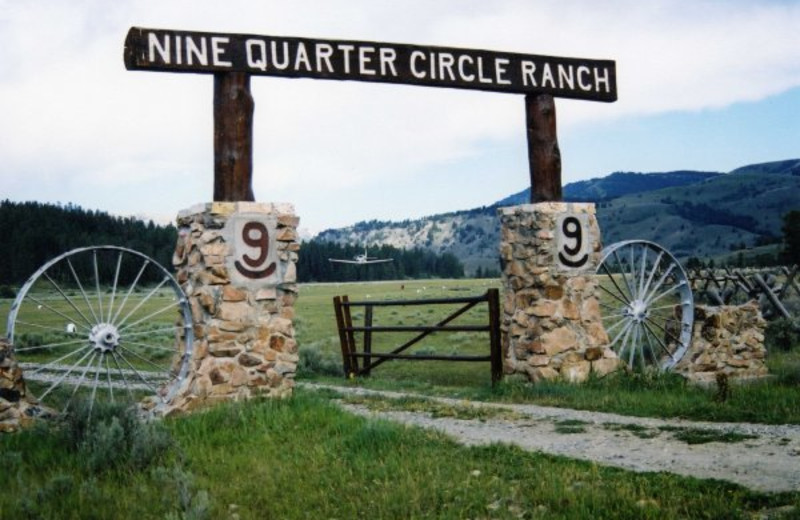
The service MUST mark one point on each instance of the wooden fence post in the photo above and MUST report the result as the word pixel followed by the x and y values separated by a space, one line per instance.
pixel 337 309
pixel 367 339
pixel 493 297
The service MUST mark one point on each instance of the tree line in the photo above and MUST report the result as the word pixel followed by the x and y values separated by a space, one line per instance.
pixel 314 263
pixel 32 233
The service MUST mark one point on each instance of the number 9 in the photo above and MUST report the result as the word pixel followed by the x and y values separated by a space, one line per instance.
pixel 255 234
pixel 572 229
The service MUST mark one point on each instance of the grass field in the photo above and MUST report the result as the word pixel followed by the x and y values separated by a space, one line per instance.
pixel 662 395
pixel 652 394
pixel 306 458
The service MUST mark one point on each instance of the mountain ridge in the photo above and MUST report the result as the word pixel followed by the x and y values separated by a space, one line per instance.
pixel 691 213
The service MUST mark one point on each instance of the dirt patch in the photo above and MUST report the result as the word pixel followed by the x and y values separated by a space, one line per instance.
pixel 758 456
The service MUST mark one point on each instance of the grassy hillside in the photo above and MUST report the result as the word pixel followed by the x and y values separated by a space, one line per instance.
pixel 707 219
pixel 700 214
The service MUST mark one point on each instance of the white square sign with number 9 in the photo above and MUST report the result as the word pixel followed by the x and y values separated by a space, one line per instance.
pixel 573 242
pixel 254 260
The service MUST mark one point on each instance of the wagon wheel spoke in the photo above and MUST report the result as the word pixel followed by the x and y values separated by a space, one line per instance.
pixel 620 295
pixel 78 283
pixel 130 290
pixel 121 373
pixel 97 285
pixel 52 345
pixel 667 333
pixel 66 374
pixel 55 362
pixel 67 299
pixel 660 342
pixel 114 285
pixel 611 329
pixel 650 348
pixel 79 383
pixel 621 266
pixel 47 306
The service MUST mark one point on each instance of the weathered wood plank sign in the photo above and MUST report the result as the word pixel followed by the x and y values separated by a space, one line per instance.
pixel 201 52
pixel 233 58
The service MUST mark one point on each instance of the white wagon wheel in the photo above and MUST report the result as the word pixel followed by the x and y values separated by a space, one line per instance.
pixel 103 322
pixel 647 304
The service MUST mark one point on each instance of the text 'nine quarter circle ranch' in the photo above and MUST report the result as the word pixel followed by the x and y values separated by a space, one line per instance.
pixel 198 52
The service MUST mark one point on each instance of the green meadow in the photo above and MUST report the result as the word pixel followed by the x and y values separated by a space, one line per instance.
pixel 774 400
pixel 305 457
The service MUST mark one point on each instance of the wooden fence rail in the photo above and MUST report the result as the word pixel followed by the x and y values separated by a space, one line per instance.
pixel 771 287
pixel 370 359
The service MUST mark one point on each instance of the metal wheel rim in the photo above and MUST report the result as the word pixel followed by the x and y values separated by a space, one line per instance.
pixel 108 345
pixel 641 284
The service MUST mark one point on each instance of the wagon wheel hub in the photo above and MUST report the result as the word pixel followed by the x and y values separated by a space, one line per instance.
pixel 637 310
pixel 104 337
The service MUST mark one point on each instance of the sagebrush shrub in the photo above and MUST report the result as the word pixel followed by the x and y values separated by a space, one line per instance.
pixel 108 436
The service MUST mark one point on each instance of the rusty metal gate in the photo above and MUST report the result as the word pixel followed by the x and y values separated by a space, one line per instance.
pixel 370 359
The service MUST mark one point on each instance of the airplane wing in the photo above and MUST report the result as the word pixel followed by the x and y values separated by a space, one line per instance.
pixel 344 261
pixel 378 261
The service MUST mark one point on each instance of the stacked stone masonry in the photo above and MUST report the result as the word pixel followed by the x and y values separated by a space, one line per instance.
pixel 551 326
pixel 16 408
pixel 244 338
pixel 725 340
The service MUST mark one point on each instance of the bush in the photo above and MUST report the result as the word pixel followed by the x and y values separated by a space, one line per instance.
pixel 109 436
pixel 781 334
pixel 316 361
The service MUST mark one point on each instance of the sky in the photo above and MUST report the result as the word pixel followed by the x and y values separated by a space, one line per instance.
pixel 703 84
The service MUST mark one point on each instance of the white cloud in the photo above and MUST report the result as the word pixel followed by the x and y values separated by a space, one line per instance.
pixel 70 108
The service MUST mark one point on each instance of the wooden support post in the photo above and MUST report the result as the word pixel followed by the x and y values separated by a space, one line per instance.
pixel 496 352
pixel 338 310
pixel 352 348
pixel 367 339
pixel 233 137
pixel 544 156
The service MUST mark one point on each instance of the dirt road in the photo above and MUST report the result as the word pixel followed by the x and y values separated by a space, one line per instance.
pixel 769 461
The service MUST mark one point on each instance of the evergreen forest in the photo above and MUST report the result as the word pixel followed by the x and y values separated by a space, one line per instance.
pixel 314 264
pixel 33 233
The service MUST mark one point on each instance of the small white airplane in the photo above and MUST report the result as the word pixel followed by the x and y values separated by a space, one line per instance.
pixel 362 259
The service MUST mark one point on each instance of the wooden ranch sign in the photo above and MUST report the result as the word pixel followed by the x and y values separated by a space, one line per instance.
pixel 233 58
pixel 199 52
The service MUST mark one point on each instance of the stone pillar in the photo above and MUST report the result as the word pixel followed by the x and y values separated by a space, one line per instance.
pixel 16 410
pixel 551 325
pixel 726 340
pixel 236 263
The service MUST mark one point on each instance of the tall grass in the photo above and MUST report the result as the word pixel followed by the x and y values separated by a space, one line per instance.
pixel 661 395
pixel 306 458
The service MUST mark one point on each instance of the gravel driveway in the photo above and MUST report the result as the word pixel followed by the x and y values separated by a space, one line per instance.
pixel 770 461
